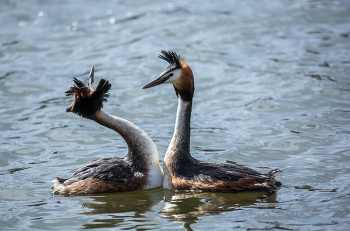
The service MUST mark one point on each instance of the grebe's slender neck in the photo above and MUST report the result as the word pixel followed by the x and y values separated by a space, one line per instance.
pixel 140 145
pixel 179 148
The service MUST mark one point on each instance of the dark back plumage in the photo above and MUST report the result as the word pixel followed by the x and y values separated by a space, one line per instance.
pixel 172 58
pixel 88 100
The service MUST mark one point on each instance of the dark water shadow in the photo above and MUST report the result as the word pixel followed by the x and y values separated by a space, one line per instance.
pixel 187 207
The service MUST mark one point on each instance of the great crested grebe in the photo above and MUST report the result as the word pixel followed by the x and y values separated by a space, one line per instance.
pixel 181 170
pixel 139 169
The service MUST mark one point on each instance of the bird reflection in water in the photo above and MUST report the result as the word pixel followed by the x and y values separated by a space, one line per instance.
pixel 181 206
pixel 139 202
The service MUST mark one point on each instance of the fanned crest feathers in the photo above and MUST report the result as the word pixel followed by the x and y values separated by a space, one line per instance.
pixel 171 57
pixel 88 100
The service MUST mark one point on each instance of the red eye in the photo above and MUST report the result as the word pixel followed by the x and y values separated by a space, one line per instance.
pixel 171 74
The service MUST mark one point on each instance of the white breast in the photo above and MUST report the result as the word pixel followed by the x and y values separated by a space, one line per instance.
pixel 155 173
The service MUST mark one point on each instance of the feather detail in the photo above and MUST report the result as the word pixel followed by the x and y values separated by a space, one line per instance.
pixel 87 100
pixel 172 58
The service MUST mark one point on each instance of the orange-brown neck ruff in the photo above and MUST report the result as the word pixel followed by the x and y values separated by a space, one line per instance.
pixel 184 86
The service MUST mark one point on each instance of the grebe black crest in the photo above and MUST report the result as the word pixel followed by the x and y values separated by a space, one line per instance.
pixel 88 100
pixel 172 58
pixel 139 169
pixel 181 170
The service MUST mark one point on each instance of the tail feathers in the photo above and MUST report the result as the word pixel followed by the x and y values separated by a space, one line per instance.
pixel 58 180
pixel 87 100
pixel 272 181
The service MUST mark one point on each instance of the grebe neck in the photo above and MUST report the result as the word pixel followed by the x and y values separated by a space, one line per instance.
pixel 140 145
pixel 142 152
pixel 179 148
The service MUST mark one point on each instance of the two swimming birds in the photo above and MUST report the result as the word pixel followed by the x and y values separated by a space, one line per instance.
pixel 140 168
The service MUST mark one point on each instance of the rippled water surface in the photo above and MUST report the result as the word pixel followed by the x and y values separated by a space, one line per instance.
pixel 272 91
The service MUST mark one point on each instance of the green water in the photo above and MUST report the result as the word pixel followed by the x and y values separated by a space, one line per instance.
pixel 272 91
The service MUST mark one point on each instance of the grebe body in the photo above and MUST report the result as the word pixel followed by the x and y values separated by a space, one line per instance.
pixel 181 170
pixel 139 169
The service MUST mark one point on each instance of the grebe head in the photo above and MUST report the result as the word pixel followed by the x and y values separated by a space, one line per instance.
pixel 178 73
pixel 87 99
